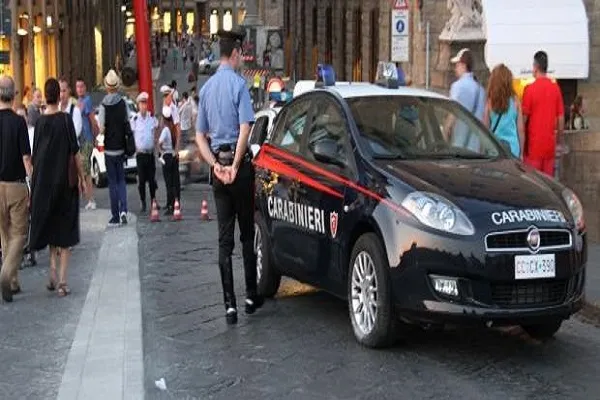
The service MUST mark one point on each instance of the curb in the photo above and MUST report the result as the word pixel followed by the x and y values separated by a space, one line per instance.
pixel 106 357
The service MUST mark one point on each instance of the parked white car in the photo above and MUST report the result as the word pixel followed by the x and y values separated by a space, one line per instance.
pixel 97 161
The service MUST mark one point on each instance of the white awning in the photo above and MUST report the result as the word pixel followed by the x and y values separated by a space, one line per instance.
pixel 516 29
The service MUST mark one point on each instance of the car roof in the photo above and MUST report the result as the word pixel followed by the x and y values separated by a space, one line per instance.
pixel 364 89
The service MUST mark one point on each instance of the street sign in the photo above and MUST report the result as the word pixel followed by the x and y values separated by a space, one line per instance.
pixel 400 32
pixel 400 5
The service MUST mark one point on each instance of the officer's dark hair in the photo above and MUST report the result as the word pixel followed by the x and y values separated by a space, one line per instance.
pixel 185 95
pixel 541 60
pixel 52 91
pixel 227 46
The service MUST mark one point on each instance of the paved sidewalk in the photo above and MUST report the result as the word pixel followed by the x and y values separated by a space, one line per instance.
pixel 106 360
pixel 592 284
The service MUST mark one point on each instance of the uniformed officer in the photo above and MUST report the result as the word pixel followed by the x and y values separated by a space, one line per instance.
pixel 225 114
pixel 144 130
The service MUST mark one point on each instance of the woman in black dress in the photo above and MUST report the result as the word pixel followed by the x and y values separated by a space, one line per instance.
pixel 54 197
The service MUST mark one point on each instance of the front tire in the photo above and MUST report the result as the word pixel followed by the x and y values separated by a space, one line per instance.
pixel 544 330
pixel 267 277
pixel 98 177
pixel 370 295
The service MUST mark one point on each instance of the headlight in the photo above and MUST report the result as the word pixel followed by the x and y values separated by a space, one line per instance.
pixel 575 207
pixel 438 213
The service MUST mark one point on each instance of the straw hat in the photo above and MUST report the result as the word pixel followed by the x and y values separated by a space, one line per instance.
pixel 111 79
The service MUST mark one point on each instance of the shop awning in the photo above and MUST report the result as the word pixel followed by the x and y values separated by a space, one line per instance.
pixel 516 29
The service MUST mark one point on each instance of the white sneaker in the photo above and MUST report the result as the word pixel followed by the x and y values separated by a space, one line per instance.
pixel 91 205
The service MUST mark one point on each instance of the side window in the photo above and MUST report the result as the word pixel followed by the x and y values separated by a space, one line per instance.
pixel 259 128
pixel 289 130
pixel 329 126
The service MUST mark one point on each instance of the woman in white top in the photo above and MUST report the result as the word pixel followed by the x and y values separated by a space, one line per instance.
pixel 168 144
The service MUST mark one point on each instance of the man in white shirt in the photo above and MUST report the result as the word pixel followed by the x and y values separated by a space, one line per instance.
pixel 185 114
pixel 67 106
pixel 169 101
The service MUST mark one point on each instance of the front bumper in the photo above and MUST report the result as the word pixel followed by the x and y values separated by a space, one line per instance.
pixel 488 290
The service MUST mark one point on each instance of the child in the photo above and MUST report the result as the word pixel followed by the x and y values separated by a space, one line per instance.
pixel 167 144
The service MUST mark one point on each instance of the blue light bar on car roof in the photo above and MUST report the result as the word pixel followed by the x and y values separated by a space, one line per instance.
pixel 325 75
pixel 389 76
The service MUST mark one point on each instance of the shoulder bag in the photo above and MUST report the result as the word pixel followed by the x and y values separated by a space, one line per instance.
pixel 72 165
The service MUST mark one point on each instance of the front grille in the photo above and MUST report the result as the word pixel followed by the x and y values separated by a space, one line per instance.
pixel 550 239
pixel 534 293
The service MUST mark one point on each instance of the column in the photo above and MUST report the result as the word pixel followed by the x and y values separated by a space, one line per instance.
pixel 44 33
pixel 30 54
pixel 56 20
pixel 15 56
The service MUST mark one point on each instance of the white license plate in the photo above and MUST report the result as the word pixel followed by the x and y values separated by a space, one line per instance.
pixel 535 266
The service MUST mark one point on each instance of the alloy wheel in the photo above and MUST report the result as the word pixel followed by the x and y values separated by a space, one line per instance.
pixel 364 292
pixel 258 251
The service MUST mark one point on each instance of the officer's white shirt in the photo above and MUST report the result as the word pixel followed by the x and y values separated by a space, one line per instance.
pixel 143 130
pixel 77 121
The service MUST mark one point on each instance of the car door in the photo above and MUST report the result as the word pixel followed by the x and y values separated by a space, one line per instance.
pixel 329 126
pixel 277 183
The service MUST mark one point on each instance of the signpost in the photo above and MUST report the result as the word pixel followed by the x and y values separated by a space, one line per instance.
pixel 400 37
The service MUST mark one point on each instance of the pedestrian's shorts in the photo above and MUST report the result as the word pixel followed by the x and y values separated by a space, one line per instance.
pixel 86 154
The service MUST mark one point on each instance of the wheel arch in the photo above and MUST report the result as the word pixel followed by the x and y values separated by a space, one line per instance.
pixel 362 227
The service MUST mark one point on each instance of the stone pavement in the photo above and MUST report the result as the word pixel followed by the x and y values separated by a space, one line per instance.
pixel 300 345
pixel 38 327
pixel 105 360
pixel 592 284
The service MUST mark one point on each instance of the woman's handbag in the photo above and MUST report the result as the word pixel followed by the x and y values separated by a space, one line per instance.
pixel 72 174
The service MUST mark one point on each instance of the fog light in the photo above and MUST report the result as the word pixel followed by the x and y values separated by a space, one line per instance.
pixel 445 286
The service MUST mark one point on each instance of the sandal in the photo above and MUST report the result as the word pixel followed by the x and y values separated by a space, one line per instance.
pixel 63 290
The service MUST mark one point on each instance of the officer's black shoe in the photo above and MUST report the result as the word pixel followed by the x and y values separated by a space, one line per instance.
pixel 253 304
pixel 143 208
pixel 231 316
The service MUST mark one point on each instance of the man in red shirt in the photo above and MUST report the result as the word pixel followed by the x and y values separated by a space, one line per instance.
pixel 543 111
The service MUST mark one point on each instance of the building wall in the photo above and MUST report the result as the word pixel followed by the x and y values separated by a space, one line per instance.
pixel 590 88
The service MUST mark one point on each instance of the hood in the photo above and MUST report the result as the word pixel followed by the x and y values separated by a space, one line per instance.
pixel 480 186
pixel 111 99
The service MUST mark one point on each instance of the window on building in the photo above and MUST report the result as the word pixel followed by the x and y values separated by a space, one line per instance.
pixel 213 23
pixel 374 25
pixel 357 46
pixel 328 35
pixel 227 20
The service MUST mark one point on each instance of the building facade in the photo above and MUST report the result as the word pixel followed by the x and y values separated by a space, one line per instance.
pixel 354 35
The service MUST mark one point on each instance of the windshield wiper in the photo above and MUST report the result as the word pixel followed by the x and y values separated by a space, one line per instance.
pixel 459 156
pixel 389 157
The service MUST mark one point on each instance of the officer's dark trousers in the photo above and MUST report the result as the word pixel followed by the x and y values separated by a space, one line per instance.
pixel 236 200
pixel 171 174
pixel 146 168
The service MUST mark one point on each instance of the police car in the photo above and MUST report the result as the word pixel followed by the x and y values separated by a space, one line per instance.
pixel 363 190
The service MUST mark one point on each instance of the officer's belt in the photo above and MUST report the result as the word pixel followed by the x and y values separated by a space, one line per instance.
pixel 225 155
pixel 146 151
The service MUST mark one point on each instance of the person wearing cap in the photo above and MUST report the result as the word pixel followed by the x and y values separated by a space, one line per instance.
pixel 15 168
pixel 225 113
pixel 167 144
pixel 113 118
pixel 470 94
pixel 169 100
pixel 144 126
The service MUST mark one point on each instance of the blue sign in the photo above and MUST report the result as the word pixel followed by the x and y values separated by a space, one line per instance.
pixel 400 26
pixel 5 18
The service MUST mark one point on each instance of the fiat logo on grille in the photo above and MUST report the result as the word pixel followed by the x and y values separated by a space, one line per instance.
pixel 533 239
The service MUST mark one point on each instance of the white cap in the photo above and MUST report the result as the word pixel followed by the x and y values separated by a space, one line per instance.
pixel 142 97
pixel 459 56
pixel 166 112
pixel 166 89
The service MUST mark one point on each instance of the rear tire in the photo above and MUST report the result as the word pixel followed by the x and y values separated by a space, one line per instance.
pixel 268 278
pixel 370 294
pixel 544 330
pixel 99 178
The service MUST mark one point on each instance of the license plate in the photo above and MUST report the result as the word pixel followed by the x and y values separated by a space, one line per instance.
pixel 535 266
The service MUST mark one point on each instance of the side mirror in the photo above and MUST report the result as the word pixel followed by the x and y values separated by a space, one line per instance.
pixel 326 151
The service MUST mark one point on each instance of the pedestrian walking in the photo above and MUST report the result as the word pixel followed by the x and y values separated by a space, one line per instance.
pixel 35 108
pixel 87 138
pixel 67 106
pixel 185 114
pixel 144 126
pixel 225 114
pixel 114 122
pixel 503 113
pixel 15 167
pixel 543 111
pixel 470 94
pixel 58 178
pixel 167 144
pixel 175 55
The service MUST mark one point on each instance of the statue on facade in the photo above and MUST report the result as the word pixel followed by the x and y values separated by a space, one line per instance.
pixel 465 23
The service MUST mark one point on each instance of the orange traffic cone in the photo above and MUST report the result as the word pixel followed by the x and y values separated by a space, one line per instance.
pixel 177 211
pixel 154 216
pixel 204 211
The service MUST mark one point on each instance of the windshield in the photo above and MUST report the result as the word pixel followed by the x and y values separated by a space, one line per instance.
pixel 419 127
